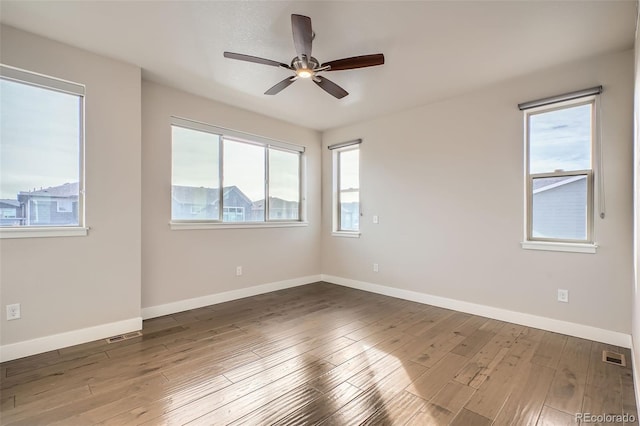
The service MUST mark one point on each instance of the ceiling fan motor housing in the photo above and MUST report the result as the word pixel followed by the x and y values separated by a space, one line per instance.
pixel 305 71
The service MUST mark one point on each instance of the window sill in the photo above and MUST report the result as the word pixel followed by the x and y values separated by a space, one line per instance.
pixel 183 226
pixel 346 234
pixel 43 232
pixel 553 246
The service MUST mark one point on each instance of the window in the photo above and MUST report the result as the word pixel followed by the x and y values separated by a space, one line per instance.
pixel 560 175
pixel 346 162
pixel 41 144
pixel 223 176
pixel 233 214
pixel 7 213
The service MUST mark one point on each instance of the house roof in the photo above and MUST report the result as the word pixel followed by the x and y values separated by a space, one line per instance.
pixel 65 190
pixel 187 194
pixel 545 184
pixel 273 200
pixel 12 203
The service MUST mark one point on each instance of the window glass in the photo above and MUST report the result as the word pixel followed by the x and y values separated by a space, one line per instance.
pixel 284 185
pixel 219 175
pixel 560 140
pixel 40 155
pixel 195 175
pixel 244 179
pixel 560 208
pixel 349 189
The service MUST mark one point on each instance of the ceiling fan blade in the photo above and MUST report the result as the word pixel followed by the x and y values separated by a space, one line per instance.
pixel 330 87
pixel 355 62
pixel 302 36
pixel 249 58
pixel 281 86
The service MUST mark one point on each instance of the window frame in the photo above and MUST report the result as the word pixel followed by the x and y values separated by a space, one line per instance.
pixel 235 136
pixel 561 244
pixel 55 84
pixel 337 216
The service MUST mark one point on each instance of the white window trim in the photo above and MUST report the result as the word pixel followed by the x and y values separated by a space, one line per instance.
pixel 43 232
pixel 52 83
pixel 186 226
pixel 336 150
pixel 346 234
pixel 559 245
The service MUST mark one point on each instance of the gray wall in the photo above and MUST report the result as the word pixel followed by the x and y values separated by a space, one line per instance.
pixel 181 264
pixel 71 283
pixel 459 166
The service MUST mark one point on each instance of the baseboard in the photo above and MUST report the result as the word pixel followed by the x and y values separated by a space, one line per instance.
pixel 564 327
pixel 212 299
pixel 69 338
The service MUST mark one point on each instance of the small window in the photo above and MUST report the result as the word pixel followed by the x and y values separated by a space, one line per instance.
pixel 233 214
pixel 347 189
pixel 223 176
pixel 560 140
pixel 64 206
pixel 41 139
pixel 8 213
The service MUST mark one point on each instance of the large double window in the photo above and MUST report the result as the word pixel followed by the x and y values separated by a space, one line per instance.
pixel 41 145
pixel 560 141
pixel 223 176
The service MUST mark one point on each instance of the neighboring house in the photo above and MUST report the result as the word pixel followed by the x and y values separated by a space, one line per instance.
pixel 279 209
pixel 559 207
pixel 10 213
pixel 56 205
pixel 350 216
pixel 192 203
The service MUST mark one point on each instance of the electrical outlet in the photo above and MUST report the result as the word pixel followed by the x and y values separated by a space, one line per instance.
pixel 563 295
pixel 375 267
pixel 375 219
pixel 238 271
pixel 13 312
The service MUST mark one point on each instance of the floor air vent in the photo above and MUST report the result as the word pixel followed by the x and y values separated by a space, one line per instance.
pixel 121 337
pixel 614 358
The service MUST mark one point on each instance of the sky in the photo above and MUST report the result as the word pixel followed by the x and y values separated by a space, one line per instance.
pixel 561 140
pixel 195 163
pixel 39 138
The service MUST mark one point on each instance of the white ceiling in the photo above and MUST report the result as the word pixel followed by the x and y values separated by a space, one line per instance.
pixel 433 49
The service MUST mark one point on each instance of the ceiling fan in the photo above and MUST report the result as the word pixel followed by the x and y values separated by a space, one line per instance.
pixel 306 66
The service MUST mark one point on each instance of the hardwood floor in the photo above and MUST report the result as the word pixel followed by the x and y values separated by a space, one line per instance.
pixel 319 354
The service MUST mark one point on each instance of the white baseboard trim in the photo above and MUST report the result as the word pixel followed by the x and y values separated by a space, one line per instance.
pixel 212 299
pixel 69 338
pixel 558 326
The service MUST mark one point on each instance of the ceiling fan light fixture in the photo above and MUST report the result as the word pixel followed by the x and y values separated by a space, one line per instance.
pixel 304 72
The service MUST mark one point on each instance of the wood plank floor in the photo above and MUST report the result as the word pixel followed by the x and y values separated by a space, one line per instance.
pixel 319 354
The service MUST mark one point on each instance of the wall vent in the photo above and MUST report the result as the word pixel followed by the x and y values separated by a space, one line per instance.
pixel 614 358
pixel 121 337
